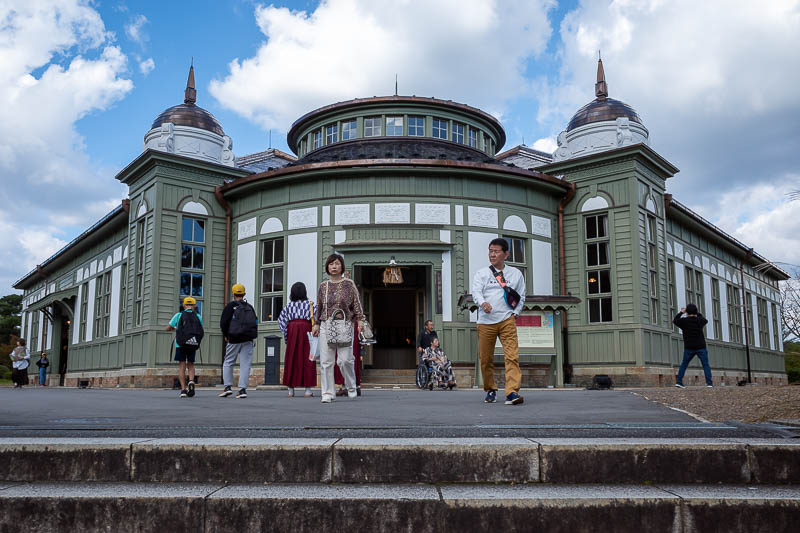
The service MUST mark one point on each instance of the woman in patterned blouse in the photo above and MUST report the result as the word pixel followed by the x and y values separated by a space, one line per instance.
pixel 341 293
pixel 295 322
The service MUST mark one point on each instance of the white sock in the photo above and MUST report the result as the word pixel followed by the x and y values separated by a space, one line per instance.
pixel 308 390
pixel 291 390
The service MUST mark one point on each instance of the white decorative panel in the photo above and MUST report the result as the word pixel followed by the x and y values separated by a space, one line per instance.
pixel 755 340
pixel 678 249
pixel 447 286
pixel 49 334
pixel 247 228
pixel 351 214
pixel 485 217
pixel 540 226
pixel 431 214
pixel 444 235
pixel 142 209
pixel 709 306
pixel 92 268
pixel 514 223
pixel 392 213
pixel 680 287
pixel 669 249
pixel 125 252
pixel 650 205
pixel 109 262
pixel 246 268
pixel 697 262
pixel 116 290
pixel 714 270
pixel 52 288
pixel 339 236
pixel 303 264
pixel 195 207
pixel 459 215
pixel 303 218
pixel 478 256
pixel 326 215
pixel 723 312
pixel 78 276
pixel 42 320
pixel 118 254
pixel 542 253
pixel 706 263
pixel 76 318
pixel 90 296
pixel 596 202
pixel 271 225
pixel 687 257
pixel 771 330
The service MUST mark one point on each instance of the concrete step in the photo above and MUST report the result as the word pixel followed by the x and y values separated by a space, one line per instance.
pixel 375 460
pixel 424 508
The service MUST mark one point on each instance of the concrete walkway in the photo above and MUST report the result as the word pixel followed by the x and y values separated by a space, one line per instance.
pixel 63 412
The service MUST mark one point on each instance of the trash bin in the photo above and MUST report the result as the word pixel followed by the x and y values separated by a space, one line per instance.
pixel 272 360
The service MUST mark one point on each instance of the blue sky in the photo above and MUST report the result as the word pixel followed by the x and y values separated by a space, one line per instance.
pixel 81 82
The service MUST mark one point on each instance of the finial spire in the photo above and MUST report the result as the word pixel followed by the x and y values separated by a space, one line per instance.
pixel 190 95
pixel 600 88
pixel 395 84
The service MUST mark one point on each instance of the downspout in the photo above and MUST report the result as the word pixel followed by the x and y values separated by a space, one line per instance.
pixel 221 200
pixel 563 273
pixel 744 308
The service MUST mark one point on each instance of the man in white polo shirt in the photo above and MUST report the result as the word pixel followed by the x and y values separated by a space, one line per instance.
pixel 499 291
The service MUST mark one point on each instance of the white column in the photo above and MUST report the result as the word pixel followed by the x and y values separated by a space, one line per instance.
pixel 76 318
pixel 755 340
pixel 42 320
pixel 771 330
pixel 246 268
pixel 542 261
pixel 709 302
pixel 478 255
pixel 723 311
pixel 447 279
pixel 22 324
pixel 49 335
pixel 116 291
pixel 90 296
pixel 302 262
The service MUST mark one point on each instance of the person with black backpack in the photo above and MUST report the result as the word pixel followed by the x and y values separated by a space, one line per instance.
pixel 189 326
pixel 239 326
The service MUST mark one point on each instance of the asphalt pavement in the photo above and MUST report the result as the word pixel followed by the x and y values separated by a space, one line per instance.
pixel 154 413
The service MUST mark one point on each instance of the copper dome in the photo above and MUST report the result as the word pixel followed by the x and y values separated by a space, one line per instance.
pixel 600 110
pixel 189 114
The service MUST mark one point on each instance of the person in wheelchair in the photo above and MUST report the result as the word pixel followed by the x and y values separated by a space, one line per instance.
pixel 438 363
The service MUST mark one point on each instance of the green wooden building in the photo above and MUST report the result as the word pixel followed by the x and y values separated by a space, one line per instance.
pixel 410 190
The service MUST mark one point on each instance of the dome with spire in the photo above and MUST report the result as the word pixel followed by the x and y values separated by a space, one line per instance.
pixel 602 124
pixel 190 130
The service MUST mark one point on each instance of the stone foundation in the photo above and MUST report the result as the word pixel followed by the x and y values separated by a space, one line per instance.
pixel 665 377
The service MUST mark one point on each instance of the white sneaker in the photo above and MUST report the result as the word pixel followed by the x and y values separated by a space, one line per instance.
pixel 679 386
pixel 326 399
pixel 352 394
pixel 709 386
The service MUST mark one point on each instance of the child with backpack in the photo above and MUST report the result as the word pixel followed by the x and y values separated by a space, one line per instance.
pixel 239 326
pixel 188 325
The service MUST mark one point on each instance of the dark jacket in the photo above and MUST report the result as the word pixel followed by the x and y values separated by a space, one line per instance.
pixel 424 339
pixel 225 322
pixel 692 329
pixel 43 362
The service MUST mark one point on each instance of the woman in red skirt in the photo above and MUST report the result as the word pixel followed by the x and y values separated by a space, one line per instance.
pixel 295 324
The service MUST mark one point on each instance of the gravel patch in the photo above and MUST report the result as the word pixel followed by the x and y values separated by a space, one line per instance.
pixel 751 403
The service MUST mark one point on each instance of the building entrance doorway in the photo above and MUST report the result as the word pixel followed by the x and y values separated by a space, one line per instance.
pixel 397 313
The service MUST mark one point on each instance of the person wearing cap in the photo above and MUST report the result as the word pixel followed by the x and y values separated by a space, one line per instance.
pixel 185 356
pixel 694 342
pixel 238 345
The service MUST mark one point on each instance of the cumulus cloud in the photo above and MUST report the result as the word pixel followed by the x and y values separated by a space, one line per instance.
pixel 354 48
pixel 135 30
pixel 146 66
pixel 713 85
pixel 49 184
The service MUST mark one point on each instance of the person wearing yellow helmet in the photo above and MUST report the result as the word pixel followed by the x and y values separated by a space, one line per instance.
pixel 239 325
pixel 189 324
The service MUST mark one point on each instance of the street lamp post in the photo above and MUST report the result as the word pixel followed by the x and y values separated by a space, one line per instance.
pixel 744 308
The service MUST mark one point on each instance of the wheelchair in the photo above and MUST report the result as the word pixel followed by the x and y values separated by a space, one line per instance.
pixel 424 375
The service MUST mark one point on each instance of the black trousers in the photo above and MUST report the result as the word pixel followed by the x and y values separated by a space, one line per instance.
pixel 19 377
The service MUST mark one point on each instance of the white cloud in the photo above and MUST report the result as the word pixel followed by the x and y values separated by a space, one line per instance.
pixel 48 180
pixel 135 30
pixel 714 83
pixel 354 48
pixel 147 66
pixel 547 144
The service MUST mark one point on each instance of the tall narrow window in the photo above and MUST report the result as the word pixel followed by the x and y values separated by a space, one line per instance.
pixel 331 134
pixel 598 280
pixel 716 311
pixel 316 138
pixel 372 127
pixel 516 254
pixel 440 127
pixel 271 279
pixel 734 313
pixel 33 345
pixel 748 306
pixel 394 126
pixel 763 323
pixel 694 289
pixel 473 137
pixel 652 264
pixel 672 294
pixel 193 236
pixel 349 130
pixel 84 310
pixel 416 126
pixel 102 307
pixel 43 347
pixel 776 336
pixel 458 133
pixel 139 290
pixel 123 297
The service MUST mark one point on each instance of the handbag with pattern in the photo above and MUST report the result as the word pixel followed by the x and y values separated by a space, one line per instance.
pixel 340 330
